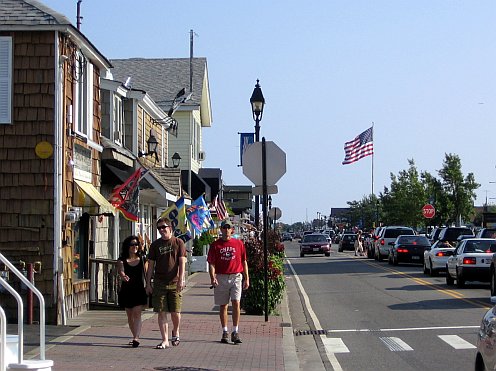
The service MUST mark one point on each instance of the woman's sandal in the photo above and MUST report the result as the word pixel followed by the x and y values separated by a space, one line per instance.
pixel 175 341
pixel 161 346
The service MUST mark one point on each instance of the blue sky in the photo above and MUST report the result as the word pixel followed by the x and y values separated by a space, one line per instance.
pixel 423 71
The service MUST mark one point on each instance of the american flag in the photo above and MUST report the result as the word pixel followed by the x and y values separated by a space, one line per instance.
pixel 359 147
pixel 220 208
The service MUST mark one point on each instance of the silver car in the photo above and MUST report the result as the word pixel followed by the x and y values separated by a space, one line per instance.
pixel 486 341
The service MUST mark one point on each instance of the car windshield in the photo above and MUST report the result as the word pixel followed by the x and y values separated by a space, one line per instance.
pixel 413 240
pixel 452 234
pixel 488 233
pixel 480 247
pixel 314 238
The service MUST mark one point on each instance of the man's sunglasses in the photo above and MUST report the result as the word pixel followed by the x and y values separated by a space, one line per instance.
pixel 162 227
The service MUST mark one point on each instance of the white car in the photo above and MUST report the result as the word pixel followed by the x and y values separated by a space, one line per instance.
pixel 471 261
pixel 436 257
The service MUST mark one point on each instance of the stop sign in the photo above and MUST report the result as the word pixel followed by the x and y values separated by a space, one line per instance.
pixel 428 211
pixel 275 162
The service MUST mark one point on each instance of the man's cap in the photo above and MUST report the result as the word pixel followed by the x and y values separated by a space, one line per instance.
pixel 226 223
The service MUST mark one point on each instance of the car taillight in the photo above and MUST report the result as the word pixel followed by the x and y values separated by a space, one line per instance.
pixel 469 260
pixel 403 250
pixel 382 242
pixel 440 253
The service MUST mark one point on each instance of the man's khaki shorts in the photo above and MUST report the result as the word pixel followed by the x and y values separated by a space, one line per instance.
pixel 166 298
pixel 230 287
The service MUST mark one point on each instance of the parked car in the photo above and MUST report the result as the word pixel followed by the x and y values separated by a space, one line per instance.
pixel 286 237
pixel 485 358
pixel 347 242
pixel 471 261
pixel 370 250
pixel 315 243
pixel 434 236
pixel 388 236
pixel 436 257
pixel 408 249
pixel 486 233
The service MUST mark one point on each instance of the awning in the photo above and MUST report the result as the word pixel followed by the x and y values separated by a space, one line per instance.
pixel 87 196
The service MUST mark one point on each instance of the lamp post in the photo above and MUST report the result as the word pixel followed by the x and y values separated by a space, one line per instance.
pixel 257 102
pixel 318 220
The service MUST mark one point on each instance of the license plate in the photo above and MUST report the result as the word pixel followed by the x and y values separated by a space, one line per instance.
pixel 415 257
pixel 316 249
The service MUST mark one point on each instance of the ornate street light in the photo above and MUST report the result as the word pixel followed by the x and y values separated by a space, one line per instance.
pixel 257 101
pixel 152 144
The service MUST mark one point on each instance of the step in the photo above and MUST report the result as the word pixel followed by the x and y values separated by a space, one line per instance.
pixel 32 364
pixel 11 349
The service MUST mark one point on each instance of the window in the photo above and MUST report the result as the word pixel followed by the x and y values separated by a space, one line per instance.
pixel 117 119
pixel 83 96
pixel 5 80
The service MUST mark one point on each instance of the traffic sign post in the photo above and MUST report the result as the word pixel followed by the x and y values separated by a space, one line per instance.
pixel 428 211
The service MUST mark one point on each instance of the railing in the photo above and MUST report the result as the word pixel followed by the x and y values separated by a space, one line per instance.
pixel 104 282
pixel 20 320
pixel 3 338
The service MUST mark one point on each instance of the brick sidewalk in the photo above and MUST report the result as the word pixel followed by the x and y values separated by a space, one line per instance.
pixel 104 346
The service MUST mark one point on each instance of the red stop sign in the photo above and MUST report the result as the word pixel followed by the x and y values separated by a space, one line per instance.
pixel 428 211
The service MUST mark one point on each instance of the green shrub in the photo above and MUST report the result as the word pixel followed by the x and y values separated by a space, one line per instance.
pixel 253 298
pixel 205 239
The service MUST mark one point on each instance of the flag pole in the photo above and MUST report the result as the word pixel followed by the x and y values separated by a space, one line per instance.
pixel 372 159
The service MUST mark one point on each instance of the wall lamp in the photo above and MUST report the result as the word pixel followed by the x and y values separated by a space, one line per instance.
pixel 152 144
pixel 176 159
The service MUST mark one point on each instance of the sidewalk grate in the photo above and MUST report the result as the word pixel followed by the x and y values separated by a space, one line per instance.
pixel 310 332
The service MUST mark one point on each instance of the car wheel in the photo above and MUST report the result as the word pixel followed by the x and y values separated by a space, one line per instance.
pixel 449 281
pixel 379 256
pixel 426 271
pixel 395 260
pixel 340 249
pixel 493 282
pixel 432 271
pixel 302 254
pixel 460 282
pixel 327 254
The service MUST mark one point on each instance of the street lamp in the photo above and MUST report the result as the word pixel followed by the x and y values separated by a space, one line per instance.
pixel 176 159
pixel 152 144
pixel 257 102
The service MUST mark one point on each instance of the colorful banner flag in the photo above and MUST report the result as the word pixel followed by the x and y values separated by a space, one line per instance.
pixel 199 216
pixel 245 140
pixel 220 208
pixel 177 215
pixel 359 147
pixel 125 196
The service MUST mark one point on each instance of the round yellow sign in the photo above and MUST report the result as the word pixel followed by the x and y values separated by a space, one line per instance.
pixel 43 150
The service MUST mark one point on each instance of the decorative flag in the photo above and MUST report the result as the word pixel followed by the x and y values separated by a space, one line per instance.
pixel 177 215
pixel 245 140
pixel 359 147
pixel 220 208
pixel 199 215
pixel 125 196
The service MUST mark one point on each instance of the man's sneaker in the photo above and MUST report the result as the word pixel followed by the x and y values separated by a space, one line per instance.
pixel 235 338
pixel 225 337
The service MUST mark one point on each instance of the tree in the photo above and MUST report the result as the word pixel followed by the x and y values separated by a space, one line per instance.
pixel 459 191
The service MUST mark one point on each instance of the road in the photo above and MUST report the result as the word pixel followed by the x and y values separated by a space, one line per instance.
pixel 352 313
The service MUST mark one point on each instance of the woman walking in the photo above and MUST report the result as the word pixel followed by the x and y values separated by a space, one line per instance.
pixel 132 295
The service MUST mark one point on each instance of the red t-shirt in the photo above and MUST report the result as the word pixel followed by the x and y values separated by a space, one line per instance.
pixel 227 256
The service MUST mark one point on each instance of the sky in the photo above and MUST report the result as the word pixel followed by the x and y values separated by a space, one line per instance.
pixel 423 72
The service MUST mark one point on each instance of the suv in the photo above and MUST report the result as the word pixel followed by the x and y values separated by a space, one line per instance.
pixel 451 234
pixel 486 233
pixel 387 236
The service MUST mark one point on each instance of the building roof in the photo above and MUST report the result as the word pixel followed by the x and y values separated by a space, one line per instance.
pixel 29 13
pixel 163 78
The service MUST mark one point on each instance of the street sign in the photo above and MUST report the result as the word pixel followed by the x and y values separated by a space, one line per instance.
pixel 428 211
pixel 275 213
pixel 271 190
pixel 275 159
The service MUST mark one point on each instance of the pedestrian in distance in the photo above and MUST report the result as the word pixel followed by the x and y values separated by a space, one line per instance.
pixel 359 244
pixel 132 295
pixel 228 271
pixel 166 263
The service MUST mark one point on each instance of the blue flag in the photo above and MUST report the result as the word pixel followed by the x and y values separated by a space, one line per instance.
pixel 199 216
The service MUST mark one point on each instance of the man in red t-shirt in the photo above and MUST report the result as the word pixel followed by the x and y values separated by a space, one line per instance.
pixel 229 276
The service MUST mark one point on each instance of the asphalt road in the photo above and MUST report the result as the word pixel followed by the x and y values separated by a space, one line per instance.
pixel 352 313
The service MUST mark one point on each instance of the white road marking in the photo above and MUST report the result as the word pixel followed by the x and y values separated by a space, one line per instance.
pixel 335 345
pixel 330 355
pixel 456 342
pixel 396 344
pixel 404 329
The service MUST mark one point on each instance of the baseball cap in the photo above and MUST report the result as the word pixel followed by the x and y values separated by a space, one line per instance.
pixel 226 223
